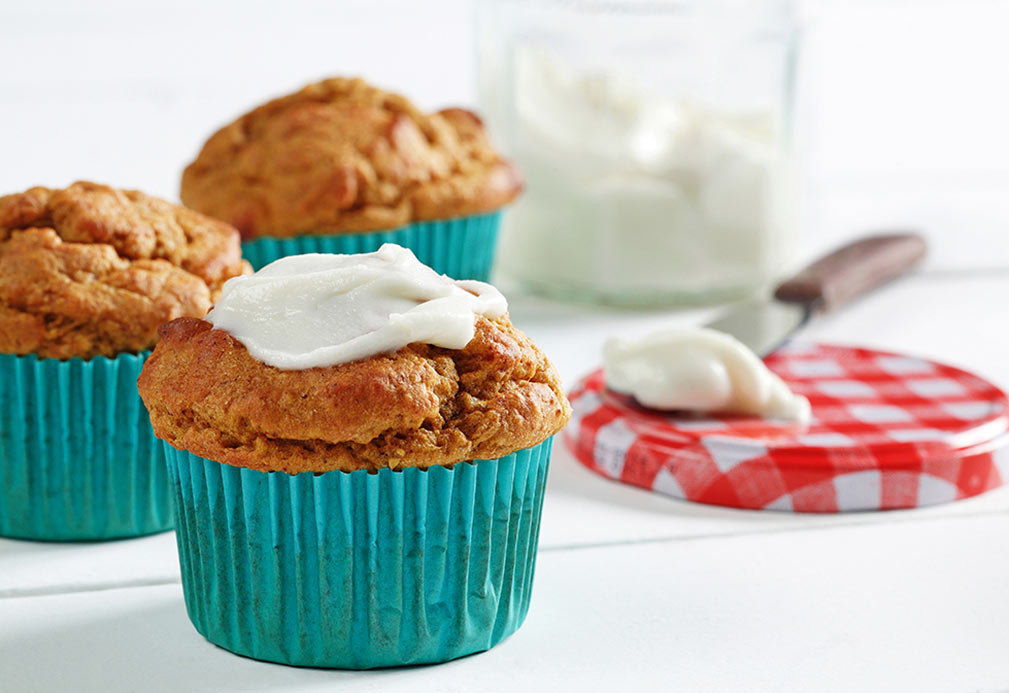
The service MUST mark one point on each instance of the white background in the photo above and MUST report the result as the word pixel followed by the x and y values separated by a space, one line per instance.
pixel 902 104
pixel 902 115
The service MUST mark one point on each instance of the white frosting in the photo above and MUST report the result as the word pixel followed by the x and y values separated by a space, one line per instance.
pixel 307 311
pixel 698 369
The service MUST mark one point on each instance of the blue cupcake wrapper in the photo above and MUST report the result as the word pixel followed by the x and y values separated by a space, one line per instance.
pixel 359 570
pixel 462 248
pixel 78 458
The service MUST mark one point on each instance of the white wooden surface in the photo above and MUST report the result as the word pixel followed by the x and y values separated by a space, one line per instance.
pixel 633 591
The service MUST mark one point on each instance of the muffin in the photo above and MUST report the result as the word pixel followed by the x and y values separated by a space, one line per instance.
pixel 343 167
pixel 361 500
pixel 87 275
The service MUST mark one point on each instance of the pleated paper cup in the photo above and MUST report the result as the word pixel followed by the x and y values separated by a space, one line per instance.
pixel 359 570
pixel 78 458
pixel 462 248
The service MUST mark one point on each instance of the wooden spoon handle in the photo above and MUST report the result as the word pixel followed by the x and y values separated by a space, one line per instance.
pixel 852 270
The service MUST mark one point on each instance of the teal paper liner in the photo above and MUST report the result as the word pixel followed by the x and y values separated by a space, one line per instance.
pixel 462 248
pixel 78 458
pixel 359 570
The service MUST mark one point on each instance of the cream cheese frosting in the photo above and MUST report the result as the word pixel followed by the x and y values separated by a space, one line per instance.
pixel 316 310
pixel 699 369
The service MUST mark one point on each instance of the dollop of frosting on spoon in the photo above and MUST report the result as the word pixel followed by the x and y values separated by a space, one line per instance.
pixel 699 369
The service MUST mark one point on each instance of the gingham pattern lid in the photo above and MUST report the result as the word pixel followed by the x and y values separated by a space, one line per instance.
pixel 888 431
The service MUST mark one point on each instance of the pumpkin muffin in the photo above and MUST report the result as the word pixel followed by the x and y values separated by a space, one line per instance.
pixel 87 275
pixel 355 507
pixel 341 157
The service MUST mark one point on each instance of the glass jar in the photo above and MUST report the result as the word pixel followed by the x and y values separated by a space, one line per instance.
pixel 655 141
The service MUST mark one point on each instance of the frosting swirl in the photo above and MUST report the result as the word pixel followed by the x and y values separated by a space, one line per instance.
pixel 316 310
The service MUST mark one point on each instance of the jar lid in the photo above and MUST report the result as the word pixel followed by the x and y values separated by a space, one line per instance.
pixel 887 431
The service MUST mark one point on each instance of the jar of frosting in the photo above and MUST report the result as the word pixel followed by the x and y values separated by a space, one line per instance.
pixel 655 139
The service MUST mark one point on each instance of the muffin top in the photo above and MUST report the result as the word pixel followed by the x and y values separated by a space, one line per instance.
pixel 91 270
pixel 373 361
pixel 419 406
pixel 343 156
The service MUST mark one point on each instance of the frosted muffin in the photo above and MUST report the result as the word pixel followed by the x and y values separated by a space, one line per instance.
pixel 87 274
pixel 360 448
pixel 342 166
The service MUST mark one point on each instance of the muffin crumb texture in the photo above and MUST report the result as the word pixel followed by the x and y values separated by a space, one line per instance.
pixel 343 156
pixel 419 406
pixel 91 270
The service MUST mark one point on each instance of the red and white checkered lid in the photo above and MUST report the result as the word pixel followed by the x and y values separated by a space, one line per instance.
pixel 888 431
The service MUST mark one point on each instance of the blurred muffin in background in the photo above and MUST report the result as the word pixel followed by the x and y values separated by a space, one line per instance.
pixel 341 166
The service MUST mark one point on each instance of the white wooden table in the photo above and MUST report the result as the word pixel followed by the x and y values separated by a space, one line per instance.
pixel 633 591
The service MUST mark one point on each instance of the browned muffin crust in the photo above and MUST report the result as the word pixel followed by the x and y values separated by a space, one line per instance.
pixel 343 156
pixel 91 270
pixel 417 407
